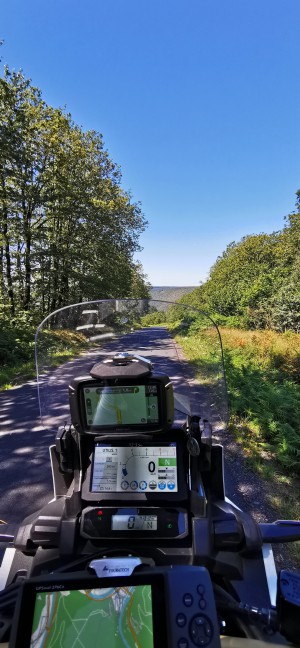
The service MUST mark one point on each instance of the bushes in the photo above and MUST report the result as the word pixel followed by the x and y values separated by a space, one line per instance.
pixel 17 350
pixel 16 346
pixel 156 317
pixel 255 282
pixel 263 377
pixel 263 374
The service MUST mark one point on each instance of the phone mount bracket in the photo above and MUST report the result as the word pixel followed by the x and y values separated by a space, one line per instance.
pixel 123 566
pixel 126 364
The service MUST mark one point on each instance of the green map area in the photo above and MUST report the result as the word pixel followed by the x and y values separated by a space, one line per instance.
pixel 110 618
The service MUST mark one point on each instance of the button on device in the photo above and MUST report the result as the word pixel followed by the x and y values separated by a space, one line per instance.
pixel 202 604
pixel 183 643
pixel 188 600
pixel 201 630
pixel 181 620
pixel 201 589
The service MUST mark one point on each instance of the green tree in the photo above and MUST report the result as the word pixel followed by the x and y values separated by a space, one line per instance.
pixel 21 186
pixel 255 282
pixel 68 230
pixel 243 278
pixel 286 302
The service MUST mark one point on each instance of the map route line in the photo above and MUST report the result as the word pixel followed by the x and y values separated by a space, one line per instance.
pixel 103 598
pixel 77 639
pixel 129 620
pixel 142 612
pixel 48 628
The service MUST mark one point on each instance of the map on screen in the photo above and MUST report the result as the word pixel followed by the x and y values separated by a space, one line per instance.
pixel 122 405
pixel 121 617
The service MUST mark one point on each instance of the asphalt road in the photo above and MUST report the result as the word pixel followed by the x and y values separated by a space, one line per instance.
pixel 25 476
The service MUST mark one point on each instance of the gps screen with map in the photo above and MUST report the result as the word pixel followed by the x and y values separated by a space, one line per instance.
pixel 121 405
pixel 138 469
pixel 121 616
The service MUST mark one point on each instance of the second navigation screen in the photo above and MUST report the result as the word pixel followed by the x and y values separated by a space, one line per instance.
pixel 123 405
pixel 135 469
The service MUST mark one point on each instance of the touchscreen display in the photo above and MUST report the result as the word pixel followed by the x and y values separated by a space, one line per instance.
pixel 121 405
pixel 139 469
pixel 121 616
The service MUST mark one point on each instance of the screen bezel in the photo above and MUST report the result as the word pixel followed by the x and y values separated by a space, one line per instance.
pixel 170 496
pixel 24 613
pixel 165 404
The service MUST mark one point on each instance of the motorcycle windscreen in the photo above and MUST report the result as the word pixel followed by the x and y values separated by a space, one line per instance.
pixel 181 342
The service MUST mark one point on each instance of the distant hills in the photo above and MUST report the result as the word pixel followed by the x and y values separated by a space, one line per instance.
pixel 170 293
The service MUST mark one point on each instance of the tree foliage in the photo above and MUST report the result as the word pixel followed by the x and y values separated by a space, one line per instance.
pixel 68 231
pixel 255 283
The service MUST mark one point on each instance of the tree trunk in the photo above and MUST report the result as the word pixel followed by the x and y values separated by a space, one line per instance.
pixel 10 288
pixel 2 284
pixel 27 259
pixel 6 248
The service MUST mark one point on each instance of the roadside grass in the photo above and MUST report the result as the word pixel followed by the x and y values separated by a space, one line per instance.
pixel 263 373
pixel 203 351
pixel 263 377
pixel 12 376
pixel 17 353
pixel 262 457
pixel 283 488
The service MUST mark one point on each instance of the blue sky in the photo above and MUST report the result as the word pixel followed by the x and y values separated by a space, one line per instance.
pixel 197 100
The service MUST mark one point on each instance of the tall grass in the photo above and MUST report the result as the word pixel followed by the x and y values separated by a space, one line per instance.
pixel 263 373
pixel 263 377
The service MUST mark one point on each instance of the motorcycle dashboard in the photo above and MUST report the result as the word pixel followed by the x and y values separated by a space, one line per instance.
pixel 124 471
pixel 130 469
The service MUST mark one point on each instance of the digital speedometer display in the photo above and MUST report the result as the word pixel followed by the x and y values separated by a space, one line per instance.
pixel 139 469
pixel 126 522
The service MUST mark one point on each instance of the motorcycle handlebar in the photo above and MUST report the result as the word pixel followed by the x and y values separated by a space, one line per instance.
pixel 8 533
pixel 280 531
pixel 227 533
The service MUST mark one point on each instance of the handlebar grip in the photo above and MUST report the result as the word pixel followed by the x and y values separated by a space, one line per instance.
pixel 280 531
pixel 7 532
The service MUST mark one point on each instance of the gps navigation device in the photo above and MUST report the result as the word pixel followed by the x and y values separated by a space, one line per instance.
pixel 70 611
pixel 144 404
pixel 151 608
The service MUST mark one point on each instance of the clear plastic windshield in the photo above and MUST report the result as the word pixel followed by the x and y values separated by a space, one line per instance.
pixel 180 341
